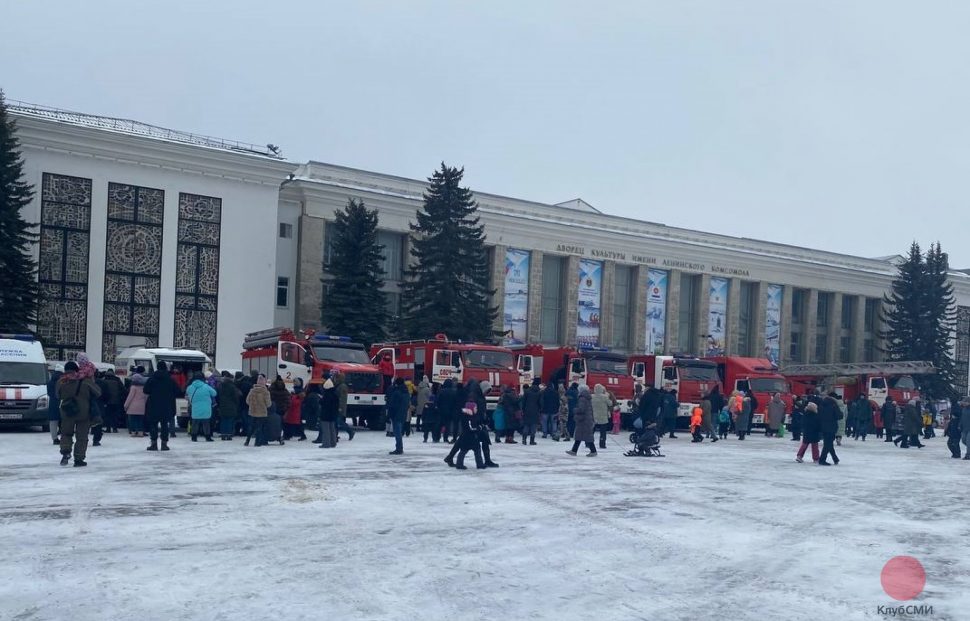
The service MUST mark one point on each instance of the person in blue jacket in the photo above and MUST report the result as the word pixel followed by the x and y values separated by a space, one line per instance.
pixel 200 396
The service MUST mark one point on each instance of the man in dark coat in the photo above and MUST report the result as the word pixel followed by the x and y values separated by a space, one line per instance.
pixel 797 418
pixel 398 402
pixel 862 417
pixel 953 430
pixel 669 406
pixel 550 409
pixel 244 383
pixel 889 418
pixel 113 396
pixel 912 425
pixel 828 423
pixel 447 403
pixel 811 432
pixel 160 408
pixel 531 404
pixel 229 396
pixel 650 405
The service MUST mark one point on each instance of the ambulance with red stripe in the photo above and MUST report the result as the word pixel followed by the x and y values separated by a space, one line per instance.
pixel 441 359
pixel 23 381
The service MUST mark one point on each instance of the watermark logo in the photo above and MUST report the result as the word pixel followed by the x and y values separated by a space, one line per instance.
pixel 903 578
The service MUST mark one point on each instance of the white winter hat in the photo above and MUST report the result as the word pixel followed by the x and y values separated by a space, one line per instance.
pixel 327 385
pixel 486 386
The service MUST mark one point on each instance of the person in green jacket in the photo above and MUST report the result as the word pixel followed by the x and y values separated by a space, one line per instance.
pixel 340 385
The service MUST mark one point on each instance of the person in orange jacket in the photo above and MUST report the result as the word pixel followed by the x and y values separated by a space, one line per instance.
pixel 696 423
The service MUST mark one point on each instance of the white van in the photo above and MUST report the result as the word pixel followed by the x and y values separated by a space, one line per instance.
pixel 188 361
pixel 23 381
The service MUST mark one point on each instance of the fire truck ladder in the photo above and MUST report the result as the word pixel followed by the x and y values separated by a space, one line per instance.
pixel 860 368
pixel 265 337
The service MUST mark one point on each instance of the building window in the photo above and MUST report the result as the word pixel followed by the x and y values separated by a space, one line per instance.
pixel 798 303
pixel 197 272
pixel 687 313
pixel 550 320
pixel 282 291
pixel 795 351
pixel 327 245
pixel 822 310
pixel 622 307
pixel 286 230
pixel 872 314
pixel 747 310
pixel 393 250
pixel 845 349
pixel 869 350
pixel 848 312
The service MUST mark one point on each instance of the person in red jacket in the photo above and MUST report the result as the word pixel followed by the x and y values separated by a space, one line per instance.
pixel 292 420
pixel 386 367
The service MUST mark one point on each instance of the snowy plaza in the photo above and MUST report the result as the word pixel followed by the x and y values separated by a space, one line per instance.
pixel 733 530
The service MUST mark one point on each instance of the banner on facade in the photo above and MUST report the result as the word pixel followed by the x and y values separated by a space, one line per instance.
pixel 717 317
pixel 590 289
pixel 516 322
pixel 656 311
pixel 773 324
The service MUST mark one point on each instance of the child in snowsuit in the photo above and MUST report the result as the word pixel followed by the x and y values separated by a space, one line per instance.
pixel 723 423
pixel 696 422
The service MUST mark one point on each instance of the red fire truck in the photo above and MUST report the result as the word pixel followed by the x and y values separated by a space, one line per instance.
pixel 692 378
pixel 877 380
pixel 441 359
pixel 757 375
pixel 278 351
pixel 588 366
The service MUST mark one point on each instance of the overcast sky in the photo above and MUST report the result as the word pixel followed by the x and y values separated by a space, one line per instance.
pixel 830 124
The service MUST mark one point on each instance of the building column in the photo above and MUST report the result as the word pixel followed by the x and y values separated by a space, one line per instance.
pixel 497 277
pixel 640 310
pixel 534 312
pixel 859 330
pixel 784 330
pixel 309 273
pixel 760 318
pixel 810 329
pixel 731 343
pixel 835 326
pixel 672 339
pixel 572 300
pixel 703 319
pixel 607 301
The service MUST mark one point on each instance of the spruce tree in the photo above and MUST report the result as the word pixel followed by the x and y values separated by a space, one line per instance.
pixel 904 308
pixel 356 305
pixel 18 270
pixel 447 288
pixel 938 325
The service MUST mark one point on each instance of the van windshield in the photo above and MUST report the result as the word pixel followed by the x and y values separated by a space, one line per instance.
pixel 489 359
pixel 902 382
pixel 32 373
pixel 607 365
pixel 698 373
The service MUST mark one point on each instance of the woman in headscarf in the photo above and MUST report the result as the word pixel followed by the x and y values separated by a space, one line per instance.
pixel 258 401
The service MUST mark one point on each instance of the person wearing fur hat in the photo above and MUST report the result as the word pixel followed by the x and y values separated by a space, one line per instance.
pixel 329 411
pixel 469 440
pixel 76 390
pixel 259 402
pixel 583 416
pixel 811 433
pixel 473 428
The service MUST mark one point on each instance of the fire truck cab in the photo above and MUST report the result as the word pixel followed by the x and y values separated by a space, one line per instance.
pixel 567 365
pixel 440 359
pixel 757 375
pixel 278 351
pixel 691 378
pixel 877 380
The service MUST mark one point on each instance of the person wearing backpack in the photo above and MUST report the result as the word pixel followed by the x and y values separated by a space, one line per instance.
pixel 723 422
pixel 76 390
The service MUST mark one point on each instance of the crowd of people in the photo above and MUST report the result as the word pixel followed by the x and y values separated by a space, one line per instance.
pixel 84 402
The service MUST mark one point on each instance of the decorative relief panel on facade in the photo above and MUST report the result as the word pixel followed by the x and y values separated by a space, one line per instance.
pixel 133 267
pixel 962 357
pixel 197 272
pixel 65 230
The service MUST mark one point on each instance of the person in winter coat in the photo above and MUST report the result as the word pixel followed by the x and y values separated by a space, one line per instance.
pixel 113 396
pixel 723 422
pixel 398 404
pixel 776 415
pixel 965 425
pixel 811 433
pixel 135 403
pixel 340 385
pixel 889 418
pixel 200 396
pixel 472 426
pixel 952 432
pixel 421 401
pixel 386 367
pixel 912 425
pixel 531 405
pixel 797 416
pixel 431 423
pixel 293 418
pixel 160 409
pixel 697 424
pixel 562 417
pixel 76 390
pixel 829 416
pixel 840 432
pixel 54 407
pixel 511 415
pixel 668 408
pixel 572 399
pixel 583 417
pixel 601 404
pixel 229 397
pixel 259 401
pixel 742 419
pixel 447 406
pixel 650 407
pixel 862 417
pixel 550 409
pixel 279 395
pixel 877 423
pixel 329 413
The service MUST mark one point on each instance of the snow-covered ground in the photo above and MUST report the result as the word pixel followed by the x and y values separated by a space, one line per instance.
pixel 733 530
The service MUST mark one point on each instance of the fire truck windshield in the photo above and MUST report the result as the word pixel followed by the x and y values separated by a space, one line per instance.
pixel 768 384
pixel 698 373
pixel 902 382
pixel 606 365
pixel 489 359
pixel 328 353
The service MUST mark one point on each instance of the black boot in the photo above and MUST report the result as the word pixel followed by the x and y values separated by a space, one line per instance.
pixel 532 440
pixel 153 446
pixel 80 463
pixel 65 459
pixel 602 443
pixel 164 445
